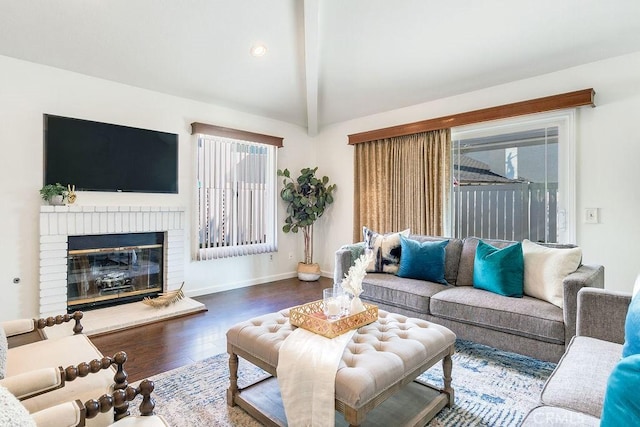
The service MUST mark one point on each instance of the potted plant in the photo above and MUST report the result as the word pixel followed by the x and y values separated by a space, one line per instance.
pixel 53 193
pixel 306 197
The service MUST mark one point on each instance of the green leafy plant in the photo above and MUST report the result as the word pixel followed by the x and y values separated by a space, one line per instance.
pixel 307 197
pixel 48 191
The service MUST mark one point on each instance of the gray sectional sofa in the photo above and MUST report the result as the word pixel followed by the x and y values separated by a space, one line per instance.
pixel 574 393
pixel 526 325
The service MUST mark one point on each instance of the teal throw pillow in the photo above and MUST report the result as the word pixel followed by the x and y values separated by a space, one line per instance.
pixel 500 271
pixel 621 406
pixel 422 260
pixel 632 328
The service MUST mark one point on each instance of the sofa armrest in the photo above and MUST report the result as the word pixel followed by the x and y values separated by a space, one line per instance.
pixel 591 276
pixel 345 258
pixel 602 314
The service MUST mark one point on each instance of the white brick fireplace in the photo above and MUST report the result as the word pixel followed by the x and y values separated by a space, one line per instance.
pixel 57 223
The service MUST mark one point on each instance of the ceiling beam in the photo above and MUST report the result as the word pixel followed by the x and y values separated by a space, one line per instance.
pixel 312 61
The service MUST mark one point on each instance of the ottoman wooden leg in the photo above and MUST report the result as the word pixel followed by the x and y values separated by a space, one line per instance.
pixel 446 374
pixel 233 379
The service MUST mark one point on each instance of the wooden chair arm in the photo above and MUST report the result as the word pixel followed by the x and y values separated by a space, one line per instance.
pixel 80 412
pixel 25 331
pixel 120 398
pixel 71 373
pixel 63 318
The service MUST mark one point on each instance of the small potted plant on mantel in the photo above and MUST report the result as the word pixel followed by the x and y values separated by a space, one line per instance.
pixel 307 197
pixel 53 193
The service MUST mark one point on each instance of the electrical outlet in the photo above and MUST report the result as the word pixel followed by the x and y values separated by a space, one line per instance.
pixel 290 255
pixel 591 215
pixel 270 257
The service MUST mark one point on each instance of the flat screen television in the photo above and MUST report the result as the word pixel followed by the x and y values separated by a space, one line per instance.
pixel 96 156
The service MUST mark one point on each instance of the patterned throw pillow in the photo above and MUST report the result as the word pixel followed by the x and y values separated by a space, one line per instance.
pixel 500 271
pixel 386 248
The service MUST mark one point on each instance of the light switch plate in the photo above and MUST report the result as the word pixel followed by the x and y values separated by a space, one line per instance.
pixel 591 215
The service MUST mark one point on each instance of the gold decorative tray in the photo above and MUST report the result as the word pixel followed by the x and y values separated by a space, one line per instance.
pixel 310 317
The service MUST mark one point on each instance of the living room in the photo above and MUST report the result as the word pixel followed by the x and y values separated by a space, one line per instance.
pixel 606 170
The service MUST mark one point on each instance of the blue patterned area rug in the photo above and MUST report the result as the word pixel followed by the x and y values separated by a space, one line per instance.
pixel 492 388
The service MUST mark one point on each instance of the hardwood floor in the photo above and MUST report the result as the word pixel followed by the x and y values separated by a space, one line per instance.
pixel 169 344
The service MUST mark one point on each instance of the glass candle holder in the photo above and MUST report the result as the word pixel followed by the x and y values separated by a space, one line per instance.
pixel 332 303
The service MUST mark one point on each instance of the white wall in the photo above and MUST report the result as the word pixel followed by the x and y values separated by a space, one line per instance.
pixel 608 158
pixel 28 90
pixel 608 166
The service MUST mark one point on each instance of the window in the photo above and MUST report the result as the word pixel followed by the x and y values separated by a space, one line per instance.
pixel 514 179
pixel 236 197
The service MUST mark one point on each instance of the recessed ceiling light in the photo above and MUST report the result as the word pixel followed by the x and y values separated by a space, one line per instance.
pixel 258 50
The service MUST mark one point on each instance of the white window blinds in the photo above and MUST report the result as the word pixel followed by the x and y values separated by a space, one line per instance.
pixel 236 197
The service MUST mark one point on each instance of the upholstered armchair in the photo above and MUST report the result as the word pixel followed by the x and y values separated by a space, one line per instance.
pixel 76 413
pixel 31 370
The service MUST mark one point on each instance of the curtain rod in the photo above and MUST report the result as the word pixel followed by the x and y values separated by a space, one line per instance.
pixel 549 103
pixel 235 134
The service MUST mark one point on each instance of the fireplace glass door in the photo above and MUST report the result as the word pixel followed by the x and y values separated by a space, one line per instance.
pixel 128 269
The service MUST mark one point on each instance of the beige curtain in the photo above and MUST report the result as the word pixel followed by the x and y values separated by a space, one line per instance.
pixel 403 182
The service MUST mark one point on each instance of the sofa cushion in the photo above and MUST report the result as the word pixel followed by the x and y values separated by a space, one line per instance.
pixel 394 291
pixel 468 255
pixel 527 317
pixel 545 268
pixel 621 405
pixel 386 248
pixel 580 379
pixel 422 260
pixel 632 328
pixel 499 270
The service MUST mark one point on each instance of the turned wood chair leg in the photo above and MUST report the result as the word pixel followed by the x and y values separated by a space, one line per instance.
pixel 446 374
pixel 233 379
pixel 121 383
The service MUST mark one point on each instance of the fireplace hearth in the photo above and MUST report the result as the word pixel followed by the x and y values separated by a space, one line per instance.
pixel 111 269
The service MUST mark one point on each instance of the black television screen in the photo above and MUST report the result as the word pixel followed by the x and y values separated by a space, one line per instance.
pixel 96 156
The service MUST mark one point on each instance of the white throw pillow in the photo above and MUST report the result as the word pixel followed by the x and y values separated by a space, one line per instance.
pixel 545 269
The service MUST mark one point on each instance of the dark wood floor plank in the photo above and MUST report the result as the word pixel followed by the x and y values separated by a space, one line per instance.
pixel 161 346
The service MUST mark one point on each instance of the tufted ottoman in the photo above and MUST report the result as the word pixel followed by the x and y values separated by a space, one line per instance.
pixel 376 376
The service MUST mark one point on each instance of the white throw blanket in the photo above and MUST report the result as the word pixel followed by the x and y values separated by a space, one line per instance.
pixel 307 366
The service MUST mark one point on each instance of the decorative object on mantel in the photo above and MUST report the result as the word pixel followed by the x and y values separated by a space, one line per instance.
pixel 352 283
pixel 307 197
pixel 164 299
pixel 71 194
pixel 53 193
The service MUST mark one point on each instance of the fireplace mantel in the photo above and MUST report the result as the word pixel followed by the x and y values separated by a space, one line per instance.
pixel 57 223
